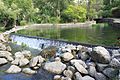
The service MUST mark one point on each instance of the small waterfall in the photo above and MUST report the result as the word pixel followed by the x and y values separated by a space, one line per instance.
pixel 36 42
pixel 40 43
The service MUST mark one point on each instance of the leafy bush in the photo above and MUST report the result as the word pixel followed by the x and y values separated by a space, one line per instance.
pixel 74 13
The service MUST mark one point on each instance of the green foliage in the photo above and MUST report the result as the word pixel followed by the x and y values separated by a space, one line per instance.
pixel 74 13
pixel 23 23
pixel 16 10
pixel 111 6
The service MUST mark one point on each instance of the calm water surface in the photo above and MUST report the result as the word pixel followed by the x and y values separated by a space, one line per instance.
pixel 98 34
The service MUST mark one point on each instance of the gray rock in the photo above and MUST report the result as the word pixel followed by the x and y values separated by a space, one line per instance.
pixel 36 60
pixel 92 71
pixel 100 54
pixel 111 73
pixel 115 52
pixel 3 61
pixel 7 55
pixel 117 56
pixel 28 71
pixel 8 48
pixel 15 62
pixel 57 77
pixel 78 61
pixel 84 56
pixel 2 47
pixel 66 78
pixel 80 68
pixel 79 47
pixel 23 62
pixel 20 62
pixel 14 69
pixel 71 68
pixel 78 76
pixel 36 67
pixel 27 54
pixel 90 64
pixel 68 73
pixel 115 63
pixel 19 55
pixel 66 50
pixel 87 78
pixel 100 76
pixel 67 56
pixel 57 59
pixel 56 67
pixel 101 67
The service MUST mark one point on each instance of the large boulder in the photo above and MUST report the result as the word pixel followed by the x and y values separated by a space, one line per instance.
pixel 36 60
pixel 67 56
pixel 100 54
pixel 56 67
pixel 14 69
pixel 3 61
pixel 28 71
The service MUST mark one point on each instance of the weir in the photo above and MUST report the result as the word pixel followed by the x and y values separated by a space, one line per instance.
pixel 39 42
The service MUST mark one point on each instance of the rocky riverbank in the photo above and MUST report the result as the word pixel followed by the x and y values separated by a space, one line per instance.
pixel 72 63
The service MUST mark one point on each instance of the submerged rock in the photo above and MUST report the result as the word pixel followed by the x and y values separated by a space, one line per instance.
pixel 101 55
pixel 56 67
pixel 28 71
pixel 14 69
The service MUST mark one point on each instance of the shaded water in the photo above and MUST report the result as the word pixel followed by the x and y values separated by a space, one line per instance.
pixel 41 73
pixel 101 34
